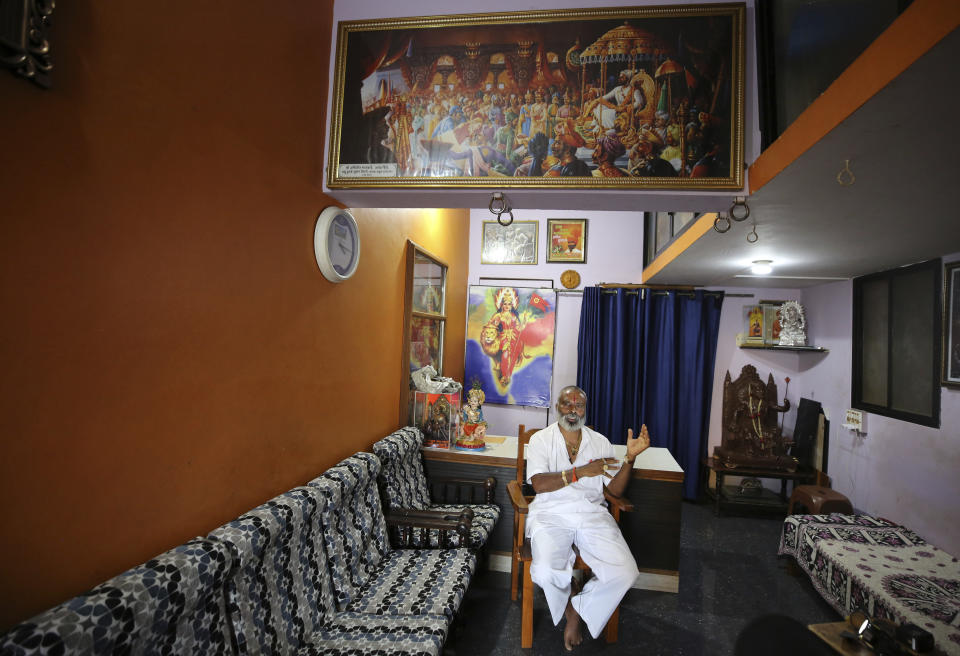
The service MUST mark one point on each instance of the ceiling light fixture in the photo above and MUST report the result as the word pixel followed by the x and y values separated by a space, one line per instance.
pixel 761 267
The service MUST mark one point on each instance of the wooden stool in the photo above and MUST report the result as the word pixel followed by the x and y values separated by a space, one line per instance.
pixel 819 500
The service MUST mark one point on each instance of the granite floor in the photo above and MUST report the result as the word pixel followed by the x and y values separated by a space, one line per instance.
pixel 730 574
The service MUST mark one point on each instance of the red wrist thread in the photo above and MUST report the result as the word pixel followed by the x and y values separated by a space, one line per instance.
pixel 574 474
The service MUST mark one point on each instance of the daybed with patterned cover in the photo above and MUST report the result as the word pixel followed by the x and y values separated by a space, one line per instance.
pixel 858 562
pixel 404 486
pixel 176 603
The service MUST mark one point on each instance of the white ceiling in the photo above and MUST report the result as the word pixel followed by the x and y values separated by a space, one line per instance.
pixel 904 152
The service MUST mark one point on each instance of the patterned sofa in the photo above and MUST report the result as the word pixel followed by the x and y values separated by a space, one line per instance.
pixel 859 562
pixel 404 487
pixel 309 572
pixel 176 603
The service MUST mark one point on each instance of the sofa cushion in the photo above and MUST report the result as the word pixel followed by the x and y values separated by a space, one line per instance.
pixel 359 634
pixel 282 582
pixel 175 603
pixel 403 478
pixel 354 528
pixel 417 582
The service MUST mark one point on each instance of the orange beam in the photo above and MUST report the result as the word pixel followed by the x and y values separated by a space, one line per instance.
pixel 692 234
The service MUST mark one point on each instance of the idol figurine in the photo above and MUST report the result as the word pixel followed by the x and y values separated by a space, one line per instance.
pixel 472 427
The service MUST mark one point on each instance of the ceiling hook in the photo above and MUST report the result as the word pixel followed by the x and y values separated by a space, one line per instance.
pixel 739 201
pixel 845 177
pixel 724 220
pixel 753 232
pixel 500 217
pixel 498 200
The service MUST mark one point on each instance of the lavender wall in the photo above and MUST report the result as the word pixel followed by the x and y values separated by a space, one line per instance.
pixel 898 470
pixel 614 254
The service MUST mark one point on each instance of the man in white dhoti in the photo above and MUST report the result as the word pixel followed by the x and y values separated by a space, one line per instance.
pixel 568 464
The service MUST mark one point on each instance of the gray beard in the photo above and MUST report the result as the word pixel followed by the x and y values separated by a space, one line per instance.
pixel 572 421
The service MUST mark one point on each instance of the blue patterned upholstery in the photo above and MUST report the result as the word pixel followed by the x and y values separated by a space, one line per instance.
pixel 358 634
pixel 405 485
pixel 369 576
pixel 285 592
pixel 354 528
pixel 175 603
pixel 282 583
pixel 402 475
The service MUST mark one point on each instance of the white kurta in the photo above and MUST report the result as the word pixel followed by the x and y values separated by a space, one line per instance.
pixel 576 515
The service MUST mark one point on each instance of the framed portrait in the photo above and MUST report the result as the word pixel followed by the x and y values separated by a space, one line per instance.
pixel 622 97
pixel 951 325
pixel 512 244
pixel 566 240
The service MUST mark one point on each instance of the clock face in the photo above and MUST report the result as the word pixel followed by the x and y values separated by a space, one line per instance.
pixel 341 244
pixel 570 278
pixel 336 244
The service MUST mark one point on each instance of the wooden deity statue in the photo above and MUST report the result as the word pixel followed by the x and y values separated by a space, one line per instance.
pixel 473 428
pixel 750 436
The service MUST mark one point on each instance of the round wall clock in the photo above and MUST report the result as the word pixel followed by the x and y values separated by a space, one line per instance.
pixel 336 244
pixel 570 279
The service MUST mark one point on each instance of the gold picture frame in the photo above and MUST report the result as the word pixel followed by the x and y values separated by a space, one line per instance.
pixel 511 244
pixel 567 240
pixel 624 97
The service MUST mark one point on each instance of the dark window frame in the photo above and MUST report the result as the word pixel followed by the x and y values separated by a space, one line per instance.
pixel 856 388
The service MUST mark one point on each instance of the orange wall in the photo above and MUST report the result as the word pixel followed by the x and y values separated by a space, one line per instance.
pixel 170 355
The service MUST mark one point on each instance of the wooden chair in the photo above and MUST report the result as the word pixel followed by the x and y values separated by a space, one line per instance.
pixel 520 496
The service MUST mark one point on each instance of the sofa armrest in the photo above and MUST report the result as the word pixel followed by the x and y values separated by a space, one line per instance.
pixel 448 489
pixel 412 528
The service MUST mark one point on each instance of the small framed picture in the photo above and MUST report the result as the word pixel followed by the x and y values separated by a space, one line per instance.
pixel 753 319
pixel 566 240
pixel 951 325
pixel 512 244
pixel 771 322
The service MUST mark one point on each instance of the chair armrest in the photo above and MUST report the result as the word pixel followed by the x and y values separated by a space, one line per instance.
pixel 407 526
pixel 619 503
pixel 449 489
pixel 517 498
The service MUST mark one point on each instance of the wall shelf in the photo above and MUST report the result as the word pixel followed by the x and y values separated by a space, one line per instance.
pixel 776 347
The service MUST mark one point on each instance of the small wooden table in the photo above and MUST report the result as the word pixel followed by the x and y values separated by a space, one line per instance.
pixel 766 498
pixel 830 632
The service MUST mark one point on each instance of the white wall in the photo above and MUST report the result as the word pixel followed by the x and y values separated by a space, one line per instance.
pixel 614 254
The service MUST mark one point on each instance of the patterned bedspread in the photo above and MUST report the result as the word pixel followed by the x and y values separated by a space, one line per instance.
pixel 861 562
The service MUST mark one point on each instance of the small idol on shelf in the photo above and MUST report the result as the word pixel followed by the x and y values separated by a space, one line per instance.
pixel 472 427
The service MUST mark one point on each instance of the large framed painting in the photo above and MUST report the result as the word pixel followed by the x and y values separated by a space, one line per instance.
pixel 510 337
pixel 951 325
pixel 623 97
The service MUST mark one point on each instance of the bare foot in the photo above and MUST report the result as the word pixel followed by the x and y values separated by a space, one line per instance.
pixel 571 632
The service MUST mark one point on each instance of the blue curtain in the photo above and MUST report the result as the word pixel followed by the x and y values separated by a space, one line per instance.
pixel 648 359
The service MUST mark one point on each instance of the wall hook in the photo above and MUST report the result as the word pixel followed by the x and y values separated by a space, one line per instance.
pixel 500 206
pixel 846 177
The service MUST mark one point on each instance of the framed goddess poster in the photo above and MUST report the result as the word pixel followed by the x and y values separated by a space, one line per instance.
pixel 510 336
pixel 566 240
